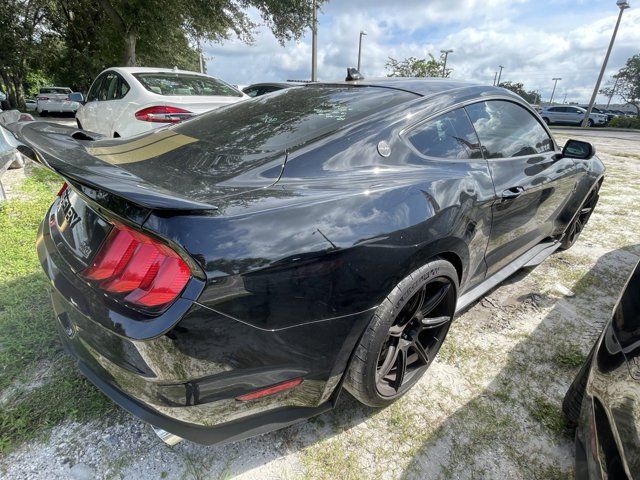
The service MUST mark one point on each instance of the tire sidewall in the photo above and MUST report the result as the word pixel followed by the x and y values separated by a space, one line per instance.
pixel 386 314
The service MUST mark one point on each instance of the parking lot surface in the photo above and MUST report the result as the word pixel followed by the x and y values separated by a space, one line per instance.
pixel 489 407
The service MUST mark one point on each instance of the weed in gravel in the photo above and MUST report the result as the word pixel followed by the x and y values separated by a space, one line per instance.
pixel 569 357
pixel 550 416
pixel 332 460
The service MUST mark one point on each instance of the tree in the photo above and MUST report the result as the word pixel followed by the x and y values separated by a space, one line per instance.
pixel 416 67
pixel 21 31
pixel 627 83
pixel 530 96
pixel 145 24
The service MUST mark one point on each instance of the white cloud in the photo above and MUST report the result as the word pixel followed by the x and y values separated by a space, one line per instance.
pixel 533 47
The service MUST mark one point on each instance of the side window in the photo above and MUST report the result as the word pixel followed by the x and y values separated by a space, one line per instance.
pixel 92 96
pixel 446 136
pixel 108 88
pixel 123 88
pixel 508 130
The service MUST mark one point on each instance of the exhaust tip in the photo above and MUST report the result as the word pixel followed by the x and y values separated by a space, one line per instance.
pixel 167 437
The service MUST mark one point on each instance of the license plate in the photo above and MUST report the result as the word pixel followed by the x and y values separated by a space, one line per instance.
pixel 80 227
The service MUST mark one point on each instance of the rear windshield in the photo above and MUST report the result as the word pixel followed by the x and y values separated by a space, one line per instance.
pixel 185 84
pixel 289 118
pixel 55 90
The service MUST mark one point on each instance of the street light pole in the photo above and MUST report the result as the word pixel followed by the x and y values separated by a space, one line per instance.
pixel 444 66
pixel 314 43
pixel 362 32
pixel 622 5
pixel 555 83
pixel 499 75
pixel 495 76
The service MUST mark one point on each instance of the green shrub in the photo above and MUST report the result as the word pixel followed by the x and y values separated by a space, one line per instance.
pixel 625 122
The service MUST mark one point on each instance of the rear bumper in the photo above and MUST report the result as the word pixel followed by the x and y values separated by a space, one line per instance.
pixel 185 375
pixel 222 433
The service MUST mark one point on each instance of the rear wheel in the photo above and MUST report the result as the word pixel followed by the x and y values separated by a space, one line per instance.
pixel 44 113
pixel 404 335
pixel 546 120
pixel 578 223
pixel 590 123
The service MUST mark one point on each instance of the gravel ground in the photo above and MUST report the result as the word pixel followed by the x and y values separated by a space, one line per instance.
pixel 489 407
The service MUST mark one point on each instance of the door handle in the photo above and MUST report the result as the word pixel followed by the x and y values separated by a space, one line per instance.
pixel 513 192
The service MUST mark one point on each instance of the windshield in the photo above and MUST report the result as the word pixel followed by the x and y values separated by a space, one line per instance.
pixel 289 118
pixel 185 84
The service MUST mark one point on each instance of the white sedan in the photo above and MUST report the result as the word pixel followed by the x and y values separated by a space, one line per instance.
pixel 126 101
pixel 55 100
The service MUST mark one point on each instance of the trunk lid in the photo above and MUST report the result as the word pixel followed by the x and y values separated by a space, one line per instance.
pixel 160 170
pixel 199 105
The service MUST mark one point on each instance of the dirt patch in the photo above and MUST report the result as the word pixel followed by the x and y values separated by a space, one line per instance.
pixel 488 408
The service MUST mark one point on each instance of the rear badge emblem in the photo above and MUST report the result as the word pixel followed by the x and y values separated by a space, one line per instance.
pixel 384 149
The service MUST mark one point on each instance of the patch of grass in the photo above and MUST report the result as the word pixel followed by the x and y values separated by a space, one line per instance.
pixel 550 416
pixel 28 334
pixel 65 396
pixel 330 460
pixel 569 357
pixel 26 326
pixel 627 155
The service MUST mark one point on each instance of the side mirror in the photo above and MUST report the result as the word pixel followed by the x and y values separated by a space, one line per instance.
pixel 76 97
pixel 578 149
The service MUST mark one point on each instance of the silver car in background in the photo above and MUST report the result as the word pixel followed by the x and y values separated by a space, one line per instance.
pixel 571 115
pixel 55 100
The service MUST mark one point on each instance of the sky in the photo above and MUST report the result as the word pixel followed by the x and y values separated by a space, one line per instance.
pixel 535 41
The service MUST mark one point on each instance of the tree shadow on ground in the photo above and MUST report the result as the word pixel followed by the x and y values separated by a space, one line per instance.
pixel 481 439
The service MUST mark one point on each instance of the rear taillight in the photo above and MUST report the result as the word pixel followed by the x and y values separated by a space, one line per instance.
pixel 164 114
pixel 139 269
pixel 42 98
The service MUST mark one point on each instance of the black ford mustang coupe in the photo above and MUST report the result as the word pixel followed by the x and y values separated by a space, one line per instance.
pixel 229 275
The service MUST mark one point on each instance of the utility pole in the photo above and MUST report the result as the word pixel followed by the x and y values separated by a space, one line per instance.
pixel 494 79
pixel 555 83
pixel 622 5
pixel 444 66
pixel 314 43
pixel 613 91
pixel 564 100
pixel 362 32
pixel 499 75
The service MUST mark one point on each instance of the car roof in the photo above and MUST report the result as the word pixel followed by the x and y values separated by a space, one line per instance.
pixel 420 86
pixel 152 70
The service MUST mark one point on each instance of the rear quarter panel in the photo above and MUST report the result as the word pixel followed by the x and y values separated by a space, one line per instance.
pixel 338 231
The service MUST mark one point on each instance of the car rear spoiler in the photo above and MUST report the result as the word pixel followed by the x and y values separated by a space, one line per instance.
pixel 65 150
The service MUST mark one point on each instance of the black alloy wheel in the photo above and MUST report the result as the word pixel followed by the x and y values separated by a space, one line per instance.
pixel 580 221
pixel 415 337
pixel 404 335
